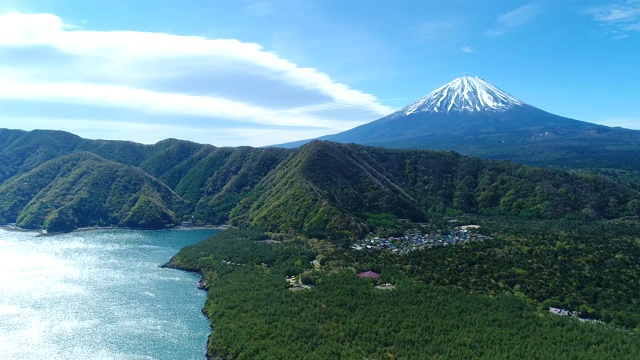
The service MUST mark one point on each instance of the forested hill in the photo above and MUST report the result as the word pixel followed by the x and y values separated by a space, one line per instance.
pixel 328 188
pixel 84 189
pixel 59 181
pixel 45 174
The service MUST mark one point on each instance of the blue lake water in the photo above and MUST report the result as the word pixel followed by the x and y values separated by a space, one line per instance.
pixel 99 295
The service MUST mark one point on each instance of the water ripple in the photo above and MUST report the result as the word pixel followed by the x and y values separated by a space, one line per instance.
pixel 99 295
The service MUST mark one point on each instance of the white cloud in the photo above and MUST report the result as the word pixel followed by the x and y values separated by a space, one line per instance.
pixel 159 102
pixel 620 18
pixel 468 49
pixel 514 19
pixel 46 61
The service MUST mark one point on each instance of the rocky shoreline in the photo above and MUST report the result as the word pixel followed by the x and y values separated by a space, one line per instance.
pixel 202 285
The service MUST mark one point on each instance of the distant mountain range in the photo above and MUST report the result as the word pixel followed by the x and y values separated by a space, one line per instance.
pixel 473 117
pixel 58 181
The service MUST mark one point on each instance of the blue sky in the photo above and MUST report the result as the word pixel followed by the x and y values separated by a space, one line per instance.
pixel 239 72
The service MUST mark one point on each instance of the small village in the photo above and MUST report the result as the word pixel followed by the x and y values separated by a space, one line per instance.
pixel 414 240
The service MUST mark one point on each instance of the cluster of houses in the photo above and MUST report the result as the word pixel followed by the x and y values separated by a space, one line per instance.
pixel 413 240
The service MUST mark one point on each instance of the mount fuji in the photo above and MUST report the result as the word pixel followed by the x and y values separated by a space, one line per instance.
pixel 473 117
pixel 465 94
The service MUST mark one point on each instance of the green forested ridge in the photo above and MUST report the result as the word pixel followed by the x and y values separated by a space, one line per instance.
pixel 125 152
pixel 171 159
pixel 83 189
pixel 322 189
pixel 253 315
pixel 23 151
pixel 209 181
pixel 328 190
pixel 234 179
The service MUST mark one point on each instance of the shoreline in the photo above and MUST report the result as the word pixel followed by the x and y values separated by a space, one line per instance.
pixel 42 232
pixel 16 229
pixel 169 244
pixel 202 285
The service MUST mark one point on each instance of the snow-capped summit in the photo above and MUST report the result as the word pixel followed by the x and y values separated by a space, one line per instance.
pixel 464 94
pixel 474 118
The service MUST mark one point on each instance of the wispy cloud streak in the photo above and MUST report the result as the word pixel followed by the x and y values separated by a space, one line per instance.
pixel 619 18
pixel 219 81
pixel 515 18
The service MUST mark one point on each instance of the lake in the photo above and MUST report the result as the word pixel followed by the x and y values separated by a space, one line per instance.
pixel 99 295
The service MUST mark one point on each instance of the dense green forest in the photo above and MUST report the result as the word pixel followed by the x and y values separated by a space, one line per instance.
pixel 205 182
pixel 589 267
pixel 328 189
pixel 325 190
pixel 254 315
pixel 83 189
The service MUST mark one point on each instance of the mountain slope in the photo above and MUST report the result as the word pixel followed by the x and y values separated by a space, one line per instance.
pixel 475 118
pixel 322 189
pixel 212 180
pixel 23 151
pixel 325 188
pixel 232 174
pixel 83 189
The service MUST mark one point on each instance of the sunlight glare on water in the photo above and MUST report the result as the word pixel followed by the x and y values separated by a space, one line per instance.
pixel 99 295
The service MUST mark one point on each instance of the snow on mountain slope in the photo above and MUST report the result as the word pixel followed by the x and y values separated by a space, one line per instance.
pixel 464 94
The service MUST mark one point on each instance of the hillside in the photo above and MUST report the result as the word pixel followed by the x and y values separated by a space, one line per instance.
pixel 57 180
pixel 22 151
pixel 205 181
pixel 83 189
pixel 327 188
